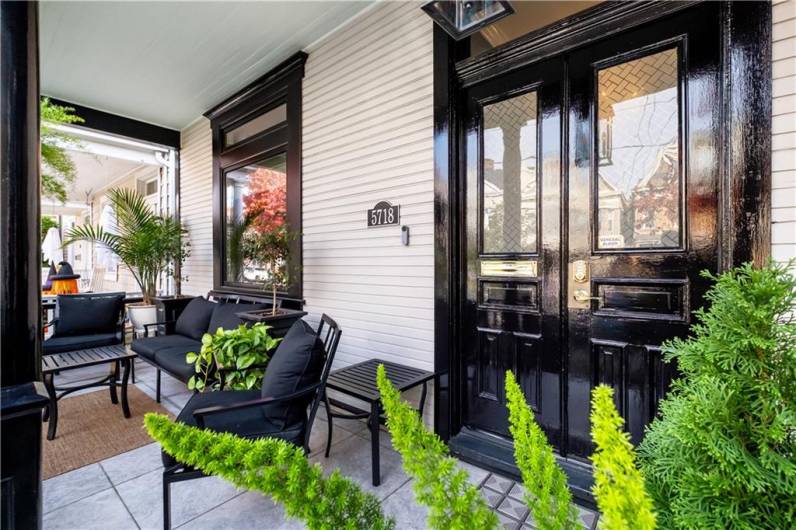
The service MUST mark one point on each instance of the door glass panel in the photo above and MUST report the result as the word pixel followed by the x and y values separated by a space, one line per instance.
pixel 509 215
pixel 256 125
pixel 638 170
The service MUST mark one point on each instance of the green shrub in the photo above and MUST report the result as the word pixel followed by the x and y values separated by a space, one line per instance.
pixel 547 493
pixel 453 502
pixel 618 484
pixel 228 355
pixel 722 454
pixel 275 468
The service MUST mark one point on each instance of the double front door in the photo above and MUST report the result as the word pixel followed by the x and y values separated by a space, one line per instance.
pixel 591 200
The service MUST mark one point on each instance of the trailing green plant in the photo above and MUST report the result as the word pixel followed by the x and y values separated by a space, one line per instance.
pixel 547 493
pixel 275 468
pixel 57 168
pixel 147 244
pixel 236 357
pixel 439 483
pixel 618 484
pixel 722 453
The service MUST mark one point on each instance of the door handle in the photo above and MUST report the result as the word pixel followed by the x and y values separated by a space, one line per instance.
pixel 582 295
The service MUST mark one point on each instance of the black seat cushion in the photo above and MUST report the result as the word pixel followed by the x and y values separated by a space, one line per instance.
pixel 248 423
pixel 224 315
pixel 149 346
pixel 79 342
pixel 193 320
pixel 296 364
pixel 88 314
pixel 172 360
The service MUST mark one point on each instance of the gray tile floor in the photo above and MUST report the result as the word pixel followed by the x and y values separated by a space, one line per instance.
pixel 125 491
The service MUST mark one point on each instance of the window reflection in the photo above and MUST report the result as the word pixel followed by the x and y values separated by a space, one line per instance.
pixel 638 150
pixel 509 176
pixel 256 202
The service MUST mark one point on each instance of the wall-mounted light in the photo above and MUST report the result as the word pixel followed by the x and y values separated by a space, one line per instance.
pixel 460 18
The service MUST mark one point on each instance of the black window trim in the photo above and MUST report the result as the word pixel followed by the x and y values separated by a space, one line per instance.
pixel 280 85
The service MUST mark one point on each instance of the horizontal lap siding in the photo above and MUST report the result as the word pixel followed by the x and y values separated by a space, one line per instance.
pixel 196 205
pixel 783 193
pixel 368 136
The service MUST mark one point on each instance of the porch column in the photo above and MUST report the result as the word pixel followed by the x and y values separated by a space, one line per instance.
pixel 512 187
pixel 20 283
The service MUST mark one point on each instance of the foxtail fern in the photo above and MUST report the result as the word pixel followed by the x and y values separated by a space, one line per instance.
pixel 453 502
pixel 547 493
pixel 275 468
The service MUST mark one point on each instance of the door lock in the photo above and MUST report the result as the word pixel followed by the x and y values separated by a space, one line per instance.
pixel 582 295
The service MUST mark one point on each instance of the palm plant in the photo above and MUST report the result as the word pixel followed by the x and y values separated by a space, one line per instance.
pixel 147 244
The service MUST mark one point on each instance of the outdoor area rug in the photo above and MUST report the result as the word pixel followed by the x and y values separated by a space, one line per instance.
pixel 91 428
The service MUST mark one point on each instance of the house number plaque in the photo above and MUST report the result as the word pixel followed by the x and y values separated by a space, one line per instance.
pixel 384 214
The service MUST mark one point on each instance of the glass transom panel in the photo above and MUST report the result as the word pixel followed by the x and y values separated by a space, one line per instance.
pixel 638 171
pixel 509 194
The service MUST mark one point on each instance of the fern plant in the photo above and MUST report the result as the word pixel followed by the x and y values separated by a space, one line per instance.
pixel 618 485
pixel 547 493
pixel 275 468
pixel 234 359
pixel 722 454
pixel 440 484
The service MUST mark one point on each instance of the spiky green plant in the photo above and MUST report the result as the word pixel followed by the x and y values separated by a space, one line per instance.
pixel 618 484
pixel 275 468
pixel 547 493
pixel 722 453
pixel 440 484
pixel 57 168
pixel 147 244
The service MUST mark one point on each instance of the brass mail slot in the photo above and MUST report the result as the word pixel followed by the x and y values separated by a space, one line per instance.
pixel 514 268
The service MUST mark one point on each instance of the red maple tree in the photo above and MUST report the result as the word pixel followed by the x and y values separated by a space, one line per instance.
pixel 266 201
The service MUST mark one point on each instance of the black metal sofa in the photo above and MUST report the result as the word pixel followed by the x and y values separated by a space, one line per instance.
pixel 165 344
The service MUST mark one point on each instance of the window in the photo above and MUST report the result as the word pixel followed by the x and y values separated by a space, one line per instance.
pixel 257 180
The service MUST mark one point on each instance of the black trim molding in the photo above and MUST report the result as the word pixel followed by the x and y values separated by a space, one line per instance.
pixel 119 125
pixel 280 86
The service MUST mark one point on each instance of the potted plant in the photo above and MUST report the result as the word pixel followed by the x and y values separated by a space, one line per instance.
pixel 147 244
pixel 269 249
pixel 233 359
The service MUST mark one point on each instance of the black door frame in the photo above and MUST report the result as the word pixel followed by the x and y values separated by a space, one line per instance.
pixel 745 179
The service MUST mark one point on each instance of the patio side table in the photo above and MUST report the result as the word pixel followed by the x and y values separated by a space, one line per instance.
pixel 359 381
pixel 60 362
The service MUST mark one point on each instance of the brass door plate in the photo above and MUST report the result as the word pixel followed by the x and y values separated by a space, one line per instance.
pixel 510 268
pixel 580 271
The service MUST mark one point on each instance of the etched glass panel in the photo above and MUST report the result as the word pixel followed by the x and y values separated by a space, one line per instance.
pixel 256 125
pixel 509 173
pixel 638 171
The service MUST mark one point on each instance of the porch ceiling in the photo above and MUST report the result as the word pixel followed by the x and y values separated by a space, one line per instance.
pixel 167 62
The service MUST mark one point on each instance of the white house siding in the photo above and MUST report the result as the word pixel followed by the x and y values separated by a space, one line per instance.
pixel 196 205
pixel 783 193
pixel 367 137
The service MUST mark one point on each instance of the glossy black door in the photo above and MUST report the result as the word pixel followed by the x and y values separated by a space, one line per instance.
pixel 644 166
pixel 511 314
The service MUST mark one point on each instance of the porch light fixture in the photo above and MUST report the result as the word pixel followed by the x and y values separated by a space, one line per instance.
pixel 460 18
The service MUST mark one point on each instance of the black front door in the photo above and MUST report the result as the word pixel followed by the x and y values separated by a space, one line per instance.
pixel 591 206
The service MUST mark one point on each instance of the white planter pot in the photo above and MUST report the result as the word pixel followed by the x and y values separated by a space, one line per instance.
pixel 140 315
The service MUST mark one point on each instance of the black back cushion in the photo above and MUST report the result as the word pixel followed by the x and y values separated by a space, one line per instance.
pixel 296 364
pixel 86 314
pixel 224 315
pixel 194 319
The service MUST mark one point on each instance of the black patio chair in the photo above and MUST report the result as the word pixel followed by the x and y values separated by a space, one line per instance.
pixel 294 380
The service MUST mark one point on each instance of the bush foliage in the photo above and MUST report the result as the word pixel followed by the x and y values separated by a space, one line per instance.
pixel 228 356
pixel 618 485
pixel 275 468
pixel 57 168
pixel 440 484
pixel 723 452
pixel 547 493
